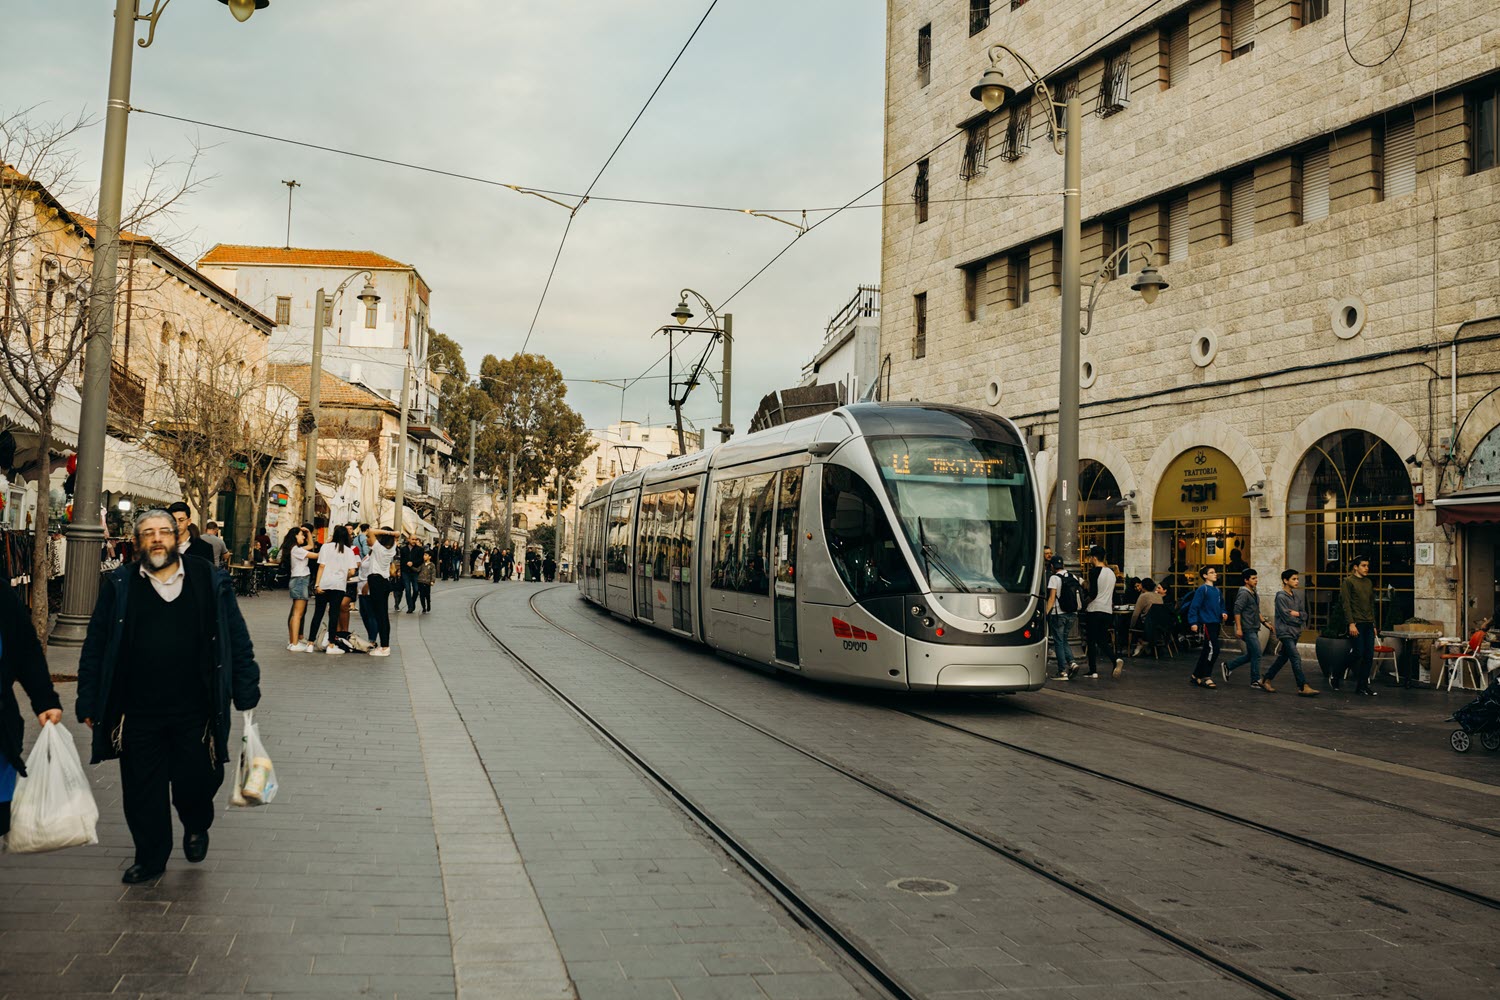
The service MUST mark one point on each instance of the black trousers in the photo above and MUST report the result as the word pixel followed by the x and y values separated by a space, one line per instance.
pixel 380 590
pixel 166 762
pixel 1099 636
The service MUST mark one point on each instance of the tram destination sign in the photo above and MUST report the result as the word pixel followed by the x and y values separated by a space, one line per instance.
pixel 953 467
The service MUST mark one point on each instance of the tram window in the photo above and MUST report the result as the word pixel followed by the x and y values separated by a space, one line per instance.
pixel 647 531
pixel 725 573
pixel 755 545
pixel 688 514
pixel 666 533
pixel 617 556
pixel 861 541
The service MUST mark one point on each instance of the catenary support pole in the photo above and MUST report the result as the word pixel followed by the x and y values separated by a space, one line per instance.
pixel 510 494
pixel 401 444
pixel 86 533
pixel 726 429
pixel 1069 355
pixel 469 489
pixel 314 398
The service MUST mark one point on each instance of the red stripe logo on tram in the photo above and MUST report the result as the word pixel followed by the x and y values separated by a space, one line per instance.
pixel 843 630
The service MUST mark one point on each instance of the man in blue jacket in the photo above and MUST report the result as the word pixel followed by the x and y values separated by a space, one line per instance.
pixel 166 650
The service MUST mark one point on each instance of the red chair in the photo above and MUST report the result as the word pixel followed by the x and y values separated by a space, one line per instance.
pixel 1456 662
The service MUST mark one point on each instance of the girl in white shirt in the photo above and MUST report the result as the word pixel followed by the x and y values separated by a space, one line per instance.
pixel 295 546
pixel 374 594
pixel 337 566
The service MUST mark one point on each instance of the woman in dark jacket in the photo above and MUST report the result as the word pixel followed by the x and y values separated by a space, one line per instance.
pixel 21 659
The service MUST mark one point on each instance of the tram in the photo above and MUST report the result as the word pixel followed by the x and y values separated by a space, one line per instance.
pixel 892 545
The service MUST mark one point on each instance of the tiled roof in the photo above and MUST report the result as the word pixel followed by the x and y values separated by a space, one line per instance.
pixel 228 253
pixel 334 391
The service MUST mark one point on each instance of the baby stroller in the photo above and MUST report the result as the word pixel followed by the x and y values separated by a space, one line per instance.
pixel 1480 717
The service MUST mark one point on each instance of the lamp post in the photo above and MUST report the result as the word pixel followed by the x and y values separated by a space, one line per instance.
pixel 993 92
pixel 725 331
pixel 368 296
pixel 86 534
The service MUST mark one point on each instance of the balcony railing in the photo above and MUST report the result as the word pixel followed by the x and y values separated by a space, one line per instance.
pixel 127 395
pixel 864 304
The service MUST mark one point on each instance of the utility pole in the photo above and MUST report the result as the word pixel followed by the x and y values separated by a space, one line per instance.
pixel 314 396
pixel 290 187
pixel 725 428
pixel 510 492
pixel 469 491
pixel 558 523
pixel 1068 370
pixel 401 444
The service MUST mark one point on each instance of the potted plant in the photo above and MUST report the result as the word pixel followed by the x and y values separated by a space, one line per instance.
pixel 1333 643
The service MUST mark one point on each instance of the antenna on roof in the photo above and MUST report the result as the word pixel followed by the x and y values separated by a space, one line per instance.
pixel 290 187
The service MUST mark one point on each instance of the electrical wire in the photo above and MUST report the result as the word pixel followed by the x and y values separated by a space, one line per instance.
pixel 1406 26
pixel 552 272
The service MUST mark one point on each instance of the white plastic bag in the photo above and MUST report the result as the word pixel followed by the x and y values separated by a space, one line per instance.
pixel 254 777
pixel 53 806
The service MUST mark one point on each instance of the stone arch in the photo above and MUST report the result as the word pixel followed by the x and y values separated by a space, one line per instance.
pixel 1350 414
pixel 1477 425
pixel 1201 430
pixel 1091 445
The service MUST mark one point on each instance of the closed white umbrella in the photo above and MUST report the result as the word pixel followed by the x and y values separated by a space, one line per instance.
pixel 369 489
pixel 345 505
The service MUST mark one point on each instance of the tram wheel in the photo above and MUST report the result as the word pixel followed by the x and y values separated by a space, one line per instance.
pixel 1460 741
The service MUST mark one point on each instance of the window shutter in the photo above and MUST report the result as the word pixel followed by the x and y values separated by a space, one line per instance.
pixel 1177 56
pixel 1177 230
pixel 1241 25
pixel 1401 158
pixel 1242 208
pixel 1315 185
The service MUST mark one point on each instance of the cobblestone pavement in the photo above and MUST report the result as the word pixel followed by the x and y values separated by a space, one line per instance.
pixel 1314 924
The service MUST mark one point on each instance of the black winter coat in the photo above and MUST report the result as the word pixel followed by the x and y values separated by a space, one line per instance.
pixel 21 659
pixel 229 667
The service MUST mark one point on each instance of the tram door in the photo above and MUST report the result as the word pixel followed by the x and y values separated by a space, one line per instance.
pixel 784 599
pixel 682 561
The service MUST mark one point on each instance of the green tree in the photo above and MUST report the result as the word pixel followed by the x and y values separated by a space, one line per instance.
pixel 532 421
pixel 446 356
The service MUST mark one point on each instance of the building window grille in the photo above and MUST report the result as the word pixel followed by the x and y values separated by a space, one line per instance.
pixel 1114 88
pixel 976 143
pixel 1315 184
pixel 1242 208
pixel 924 55
pixel 283 310
pixel 1177 54
pixel 1017 133
pixel 919 341
pixel 1241 27
pixel 1400 158
pixel 1020 277
pixel 979 16
pixel 1486 129
pixel 1314 10
pixel 1177 229
pixel 919 191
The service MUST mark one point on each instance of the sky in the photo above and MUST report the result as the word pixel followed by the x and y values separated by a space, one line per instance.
pixel 776 104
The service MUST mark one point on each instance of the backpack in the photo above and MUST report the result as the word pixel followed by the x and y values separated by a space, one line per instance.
pixel 1069 594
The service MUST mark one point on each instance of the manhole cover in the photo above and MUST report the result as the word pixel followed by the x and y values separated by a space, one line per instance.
pixel 924 886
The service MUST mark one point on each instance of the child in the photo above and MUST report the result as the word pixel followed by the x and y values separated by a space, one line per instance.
pixel 426 574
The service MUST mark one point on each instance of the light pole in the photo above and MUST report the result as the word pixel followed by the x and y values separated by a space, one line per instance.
pixel 993 92
pixel 368 296
pixel 724 330
pixel 86 534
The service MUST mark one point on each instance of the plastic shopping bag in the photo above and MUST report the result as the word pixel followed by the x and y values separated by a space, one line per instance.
pixel 254 777
pixel 53 807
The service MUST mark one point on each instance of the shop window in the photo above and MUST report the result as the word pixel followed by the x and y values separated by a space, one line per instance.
pixel 861 541
pixel 1351 495
pixel 1200 518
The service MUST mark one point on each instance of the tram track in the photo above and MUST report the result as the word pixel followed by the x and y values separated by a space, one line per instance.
pixel 807 912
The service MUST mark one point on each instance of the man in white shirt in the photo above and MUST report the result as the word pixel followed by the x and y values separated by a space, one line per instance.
pixel 1099 617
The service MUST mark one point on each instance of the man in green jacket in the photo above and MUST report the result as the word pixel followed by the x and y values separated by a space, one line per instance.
pixel 1358 594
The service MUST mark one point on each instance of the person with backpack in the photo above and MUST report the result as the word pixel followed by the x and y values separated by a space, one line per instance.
pixel 1205 615
pixel 1064 596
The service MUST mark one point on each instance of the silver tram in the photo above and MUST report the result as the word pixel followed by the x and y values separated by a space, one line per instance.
pixel 885 544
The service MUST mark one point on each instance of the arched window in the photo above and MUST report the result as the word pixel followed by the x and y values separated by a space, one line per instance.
pixel 1101 519
pixel 1351 496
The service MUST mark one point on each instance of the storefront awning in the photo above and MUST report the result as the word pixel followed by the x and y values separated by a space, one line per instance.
pixel 139 473
pixel 1475 505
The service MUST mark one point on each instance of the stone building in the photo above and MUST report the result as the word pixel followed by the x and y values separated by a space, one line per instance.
pixel 1320 194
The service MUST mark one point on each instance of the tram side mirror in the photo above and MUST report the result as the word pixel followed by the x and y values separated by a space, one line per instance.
pixel 822 449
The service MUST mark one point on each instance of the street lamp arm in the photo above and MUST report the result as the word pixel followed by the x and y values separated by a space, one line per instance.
pixel 1106 272
pixel 158 8
pixel 708 306
pixel 1054 132
pixel 367 275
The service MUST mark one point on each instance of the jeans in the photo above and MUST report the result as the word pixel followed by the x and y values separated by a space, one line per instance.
pixel 1362 656
pixel 1287 653
pixel 1099 637
pixel 409 581
pixel 1250 656
pixel 1061 627
pixel 1209 651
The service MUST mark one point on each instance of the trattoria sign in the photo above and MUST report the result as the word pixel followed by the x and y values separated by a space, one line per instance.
pixel 1201 482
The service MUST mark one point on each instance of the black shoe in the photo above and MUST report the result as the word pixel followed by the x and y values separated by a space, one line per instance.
pixel 1333 683
pixel 136 874
pixel 195 846
pixel 1364 690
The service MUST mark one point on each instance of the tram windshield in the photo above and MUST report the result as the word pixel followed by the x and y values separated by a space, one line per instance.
pixel 966 505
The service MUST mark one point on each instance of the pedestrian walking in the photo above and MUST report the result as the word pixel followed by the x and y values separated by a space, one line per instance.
pixel 1205 615
pixel 21 659
pixel 426 573
pixel 1358 594
pixel 215 541
pixel 1063 598
pixel 189 543
pixel 294 557
pixel 410 555
pixel 1248 620
pixel 1290 613
pixel 1099 618
pixel 337 567
pixel 549 568
pixel 165 653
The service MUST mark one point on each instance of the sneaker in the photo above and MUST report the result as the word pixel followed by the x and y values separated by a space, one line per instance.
pixel 381 651
pixel 1119 669
pixel 1257 685
pixel 1224 671
pixel 1092 675
pixel 1063 675
pixel 296 647
pixel 334 651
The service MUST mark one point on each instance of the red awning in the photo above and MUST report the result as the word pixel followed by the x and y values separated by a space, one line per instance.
pixel 1476 505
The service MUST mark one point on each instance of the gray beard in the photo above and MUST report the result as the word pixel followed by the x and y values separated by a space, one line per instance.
pixel 167 558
